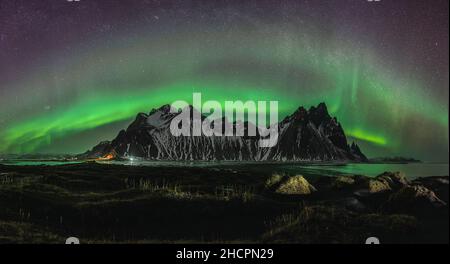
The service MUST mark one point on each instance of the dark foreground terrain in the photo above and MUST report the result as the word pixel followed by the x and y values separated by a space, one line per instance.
pixel 130 204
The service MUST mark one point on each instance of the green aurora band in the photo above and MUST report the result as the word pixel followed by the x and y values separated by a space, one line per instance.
pixel 374 102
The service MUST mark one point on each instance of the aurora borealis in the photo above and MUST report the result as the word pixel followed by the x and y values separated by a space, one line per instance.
pixel 74 73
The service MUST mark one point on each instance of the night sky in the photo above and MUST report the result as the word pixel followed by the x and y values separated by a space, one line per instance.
pixel 75 73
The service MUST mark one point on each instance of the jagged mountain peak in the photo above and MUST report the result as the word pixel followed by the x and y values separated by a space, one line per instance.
pixel 164 109
pixel 322 107
pixel 306 135
pixel 319 114
pixel 315 113
pixel 139 121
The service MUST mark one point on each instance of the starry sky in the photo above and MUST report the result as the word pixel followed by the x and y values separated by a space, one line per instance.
pixel 75 73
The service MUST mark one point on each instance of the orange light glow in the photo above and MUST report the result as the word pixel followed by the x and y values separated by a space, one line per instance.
pixel 110 156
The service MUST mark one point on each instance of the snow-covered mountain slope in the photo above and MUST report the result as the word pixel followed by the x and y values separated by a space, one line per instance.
pixel 306 135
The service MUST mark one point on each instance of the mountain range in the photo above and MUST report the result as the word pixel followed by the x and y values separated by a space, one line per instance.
pixel 305 135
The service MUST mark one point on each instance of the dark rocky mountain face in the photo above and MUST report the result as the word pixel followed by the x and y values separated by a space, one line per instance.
pixel 306 135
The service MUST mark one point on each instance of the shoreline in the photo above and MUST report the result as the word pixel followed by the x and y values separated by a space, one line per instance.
pixel 216 162
pixel 117 204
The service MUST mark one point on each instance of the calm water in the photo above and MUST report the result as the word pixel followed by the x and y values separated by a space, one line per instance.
pixel 36 162
pixel 412 170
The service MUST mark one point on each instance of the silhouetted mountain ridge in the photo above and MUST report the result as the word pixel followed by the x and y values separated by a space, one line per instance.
pixel 306 135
